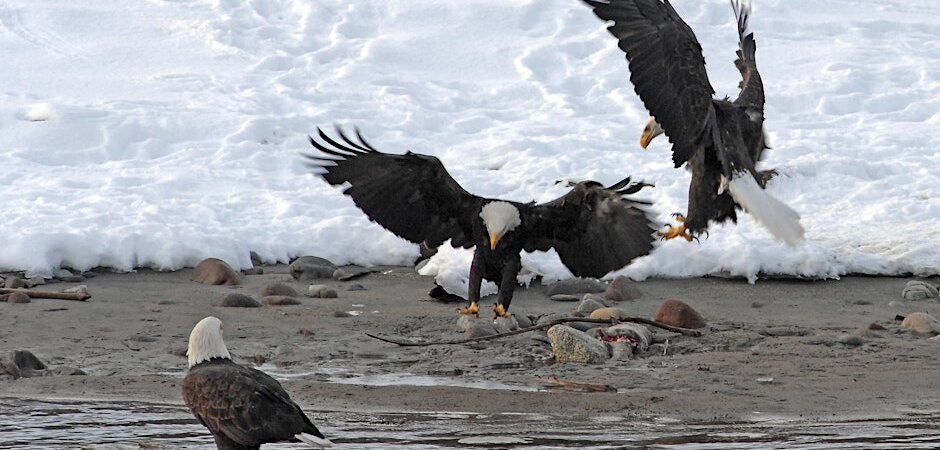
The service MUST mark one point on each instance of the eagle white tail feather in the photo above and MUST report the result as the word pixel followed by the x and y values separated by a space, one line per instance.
pixel 314 441
pixel 781 220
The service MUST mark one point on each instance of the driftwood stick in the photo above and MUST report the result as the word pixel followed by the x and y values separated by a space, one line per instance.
pixel 654 323
pixel 76 296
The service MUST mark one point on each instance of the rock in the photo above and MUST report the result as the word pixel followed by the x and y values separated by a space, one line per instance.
pixel 765 380
pixel 921 323
pixel 80 289
pixel 253 271
pixel 542 320
pixel 258 359
pixel 305 332
pixel 278 289
pixel 350 272
pixel 308 268
pixel 621 350
pixel 35 281
pixel 343 314
pixel 608 313
pixel 638 333
pixel 522 319
pixel 576 286
pixel 851 340
pixel 622 289
pixel 8 367
pixel 356 287
pixel 18 297
pixel 439 294
pixel 504 325
pixel 321 291
pixel 572 346
pixel 235 300
pixel 67 371
pixel 678 314
pixel 919 290
pixel 62 273
pixel 757 305
pixel 255 259
pixel 475 327
pixel 214 271
pixel 876 326
pixel 279 300
pixel 14 283
pixel 28 363
pixel 589 304
pixel 564 298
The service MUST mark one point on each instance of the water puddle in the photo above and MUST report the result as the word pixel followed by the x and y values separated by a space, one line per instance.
pixel 39 424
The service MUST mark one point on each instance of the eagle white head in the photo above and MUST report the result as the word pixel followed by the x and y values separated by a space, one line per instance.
pixel 650 131
pixel 205 341
pixel 499 219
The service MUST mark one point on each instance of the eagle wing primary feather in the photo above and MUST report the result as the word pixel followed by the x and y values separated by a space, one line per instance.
pixel 594 229
pixel 666 67
pixel 752 87
pixel 411 195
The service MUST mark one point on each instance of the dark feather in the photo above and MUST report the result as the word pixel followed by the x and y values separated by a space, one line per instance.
pixel 411 195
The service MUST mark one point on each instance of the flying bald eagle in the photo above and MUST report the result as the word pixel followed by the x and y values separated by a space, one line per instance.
pixel 719 140
pixel 594 229
pixel 241 406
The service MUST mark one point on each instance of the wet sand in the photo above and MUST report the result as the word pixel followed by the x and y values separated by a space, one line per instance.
pixel 770 349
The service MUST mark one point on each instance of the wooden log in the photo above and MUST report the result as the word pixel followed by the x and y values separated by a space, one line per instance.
pixel 75 296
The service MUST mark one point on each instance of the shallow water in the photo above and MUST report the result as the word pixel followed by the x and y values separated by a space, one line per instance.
pixel 35 424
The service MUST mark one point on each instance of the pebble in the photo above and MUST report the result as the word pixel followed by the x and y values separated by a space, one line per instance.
pixel 14 283
pixel 505 325
pixel 321 291
pixel 756 305
pixel 564 298
pixel 608 313
pixel 876 326
pixel 305 332
pixel 62 273
pixel 356 287
pixel 765 380
pixel 80 289
pixel 67 371
pixel 279 300
pixel 851 340
pixel 589 304
pixel 576 286
pixel 678 314
pixel 214 271
pixel 278 289
pixel 474 327
pixel 235 300
pixel 255 259
pixel 620 350
pixel 28 364
pixel 350 272
pixel 253 271
pixel 343 314
pixel 921 323
pixel 573 346
pixel 919 290
pixel 523 320
pixel 35 281
pixel 18 297
pixel 308 268
pixel 622 289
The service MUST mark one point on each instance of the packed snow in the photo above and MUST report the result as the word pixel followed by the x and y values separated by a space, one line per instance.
pixel 158 133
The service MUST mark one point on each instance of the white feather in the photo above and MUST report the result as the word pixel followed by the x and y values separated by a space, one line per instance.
pixel 781 220
pixel 314 441
pixel 500 217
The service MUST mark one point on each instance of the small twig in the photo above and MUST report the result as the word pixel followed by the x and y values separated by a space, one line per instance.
pixel 77 296
pixel 654 323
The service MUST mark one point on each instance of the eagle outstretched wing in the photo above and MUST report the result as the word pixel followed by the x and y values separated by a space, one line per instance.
pixel 410 195
pixel 594 229
pixel 666 67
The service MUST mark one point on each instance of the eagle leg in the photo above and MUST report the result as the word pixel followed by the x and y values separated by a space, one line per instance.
pixel 680 230
pixel 500 311
pixel 472 309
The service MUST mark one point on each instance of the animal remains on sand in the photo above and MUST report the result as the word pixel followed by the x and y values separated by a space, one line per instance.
pixel 242 407
pixel 719 140
pixel 594 229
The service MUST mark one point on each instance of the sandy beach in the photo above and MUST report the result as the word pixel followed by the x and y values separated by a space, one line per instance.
pixel 772 348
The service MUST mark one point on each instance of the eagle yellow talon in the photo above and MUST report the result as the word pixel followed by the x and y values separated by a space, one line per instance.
pixel 473 310
pixel 499 311
pixel 679 230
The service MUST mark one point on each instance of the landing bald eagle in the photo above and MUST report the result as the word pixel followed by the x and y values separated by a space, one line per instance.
pixel 241 406
pixel 719 140
pixel 594 229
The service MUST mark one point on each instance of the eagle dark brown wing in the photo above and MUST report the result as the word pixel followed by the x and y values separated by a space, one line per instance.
pixel 666 67
pixel 410 195
pixel 242 405
pixel 594 229
pixel 752 87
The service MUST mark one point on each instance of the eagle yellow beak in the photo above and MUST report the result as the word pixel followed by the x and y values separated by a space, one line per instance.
pixel 646 138
pixel 494 239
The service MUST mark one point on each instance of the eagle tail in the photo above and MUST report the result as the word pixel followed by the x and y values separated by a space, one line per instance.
pixel 316 442
pixel 781 220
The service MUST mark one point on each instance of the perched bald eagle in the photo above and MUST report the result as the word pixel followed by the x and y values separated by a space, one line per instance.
pixel 241 406
pixel 594 229
pixel 719 140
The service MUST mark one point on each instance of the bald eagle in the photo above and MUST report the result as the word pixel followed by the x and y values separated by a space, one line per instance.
pixel 241 406
pixel 719 140
pixel 594 229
